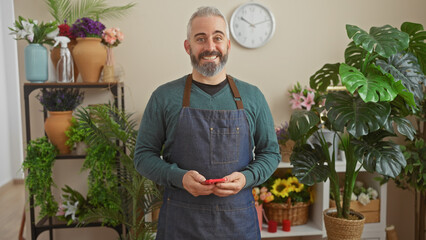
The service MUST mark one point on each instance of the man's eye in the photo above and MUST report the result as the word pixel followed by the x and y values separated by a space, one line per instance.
pixel 200 39
pixel 218 38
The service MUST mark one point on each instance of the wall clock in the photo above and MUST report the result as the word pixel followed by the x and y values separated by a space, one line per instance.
pixel 252 25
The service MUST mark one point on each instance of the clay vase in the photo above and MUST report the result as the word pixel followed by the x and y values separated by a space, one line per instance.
pixel 55 55
pixel 55 126
pixel 90 56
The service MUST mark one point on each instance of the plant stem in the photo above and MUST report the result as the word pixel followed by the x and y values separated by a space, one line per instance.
pixel 364 65
pixel 350 178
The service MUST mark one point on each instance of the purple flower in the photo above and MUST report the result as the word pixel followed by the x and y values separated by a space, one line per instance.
pixel 86 27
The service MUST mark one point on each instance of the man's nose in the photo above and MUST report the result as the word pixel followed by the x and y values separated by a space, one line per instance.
pixel 210 45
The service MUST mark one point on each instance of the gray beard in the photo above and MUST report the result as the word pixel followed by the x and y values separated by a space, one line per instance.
pixel 209 69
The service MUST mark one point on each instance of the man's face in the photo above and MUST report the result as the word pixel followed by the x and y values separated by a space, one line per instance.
pixel 208 45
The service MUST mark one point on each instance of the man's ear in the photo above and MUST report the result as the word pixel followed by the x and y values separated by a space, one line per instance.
pixel 186 46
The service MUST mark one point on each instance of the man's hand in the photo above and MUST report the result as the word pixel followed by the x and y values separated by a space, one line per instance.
pixel 235 182
pixel 192 182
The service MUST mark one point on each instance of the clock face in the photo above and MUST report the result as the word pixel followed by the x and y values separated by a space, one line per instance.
pixel 252 25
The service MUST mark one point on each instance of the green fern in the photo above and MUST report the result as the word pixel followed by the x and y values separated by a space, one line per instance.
pixel 96 9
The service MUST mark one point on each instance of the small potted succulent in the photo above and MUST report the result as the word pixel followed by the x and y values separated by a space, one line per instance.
pixel 60 103
pixel 89 54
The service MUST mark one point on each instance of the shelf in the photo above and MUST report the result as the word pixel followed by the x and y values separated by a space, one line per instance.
pixel 48 223
pixel 308 229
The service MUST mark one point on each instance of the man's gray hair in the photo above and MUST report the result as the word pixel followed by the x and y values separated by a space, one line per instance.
pixel 206 12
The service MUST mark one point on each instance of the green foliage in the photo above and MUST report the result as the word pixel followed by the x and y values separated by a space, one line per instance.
pixel 108 126
pixel 70 11
pixel 379 76
pixel 39 161
pixel 60 99
pixel 71 197
pixel 75 134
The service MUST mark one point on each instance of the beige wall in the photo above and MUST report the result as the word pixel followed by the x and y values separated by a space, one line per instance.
pixel 309 33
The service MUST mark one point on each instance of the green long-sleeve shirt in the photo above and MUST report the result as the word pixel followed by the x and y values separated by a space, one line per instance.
pixel 161 116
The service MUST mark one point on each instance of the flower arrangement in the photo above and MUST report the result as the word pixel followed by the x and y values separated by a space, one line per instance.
pixel 282 133
pixel 362 194
pixel 87 27
pixel 61 99
pixel 111 37
pixel 32 31
pixel 303 98
pixel 286 188
pixel 65 30
pixel 262 195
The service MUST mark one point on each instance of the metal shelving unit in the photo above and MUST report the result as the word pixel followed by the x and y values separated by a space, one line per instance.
pixel 51 223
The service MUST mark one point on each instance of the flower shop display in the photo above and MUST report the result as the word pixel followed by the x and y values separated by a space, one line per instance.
pixel 284 141
pixel 89 54
pixel 111 37
pixel 60 104
pixel 36 34
pixel 290 200
pixel 379 72
pixel 364 200
pixel 303 98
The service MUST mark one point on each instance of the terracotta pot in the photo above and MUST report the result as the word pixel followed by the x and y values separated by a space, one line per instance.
pixel 343 229
pixel 55 126
pixel 90 56
pixel 55 54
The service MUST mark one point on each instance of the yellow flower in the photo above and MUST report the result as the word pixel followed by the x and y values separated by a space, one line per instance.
pixel 281 188
pixel 295 184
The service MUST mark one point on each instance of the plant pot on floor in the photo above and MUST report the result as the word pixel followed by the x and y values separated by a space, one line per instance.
pixel 343 229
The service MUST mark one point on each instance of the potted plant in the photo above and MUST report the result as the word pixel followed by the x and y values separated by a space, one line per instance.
pixel 378 75
pixel 89 54
pixel 36 34
pixel 284 141
pixel 111 37
pixel 60 103
pixel 289 199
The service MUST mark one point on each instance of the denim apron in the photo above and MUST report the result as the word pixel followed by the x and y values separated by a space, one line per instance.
pixel 215 143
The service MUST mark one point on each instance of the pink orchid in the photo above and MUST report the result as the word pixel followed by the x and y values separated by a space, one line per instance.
pixel 308 100
pixel 296 101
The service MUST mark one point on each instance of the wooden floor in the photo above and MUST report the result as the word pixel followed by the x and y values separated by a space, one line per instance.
pixel 12 202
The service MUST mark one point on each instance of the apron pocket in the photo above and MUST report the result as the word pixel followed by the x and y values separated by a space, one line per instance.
pixel 224 145
pixel 194 221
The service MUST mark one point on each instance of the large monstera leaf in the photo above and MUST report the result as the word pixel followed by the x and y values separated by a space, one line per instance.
pixel 403 125
pixel 374 87
pixel 359 117
pixel 385 40
pixel 308 164
pixel 323 78
pixel 384 157
pixel 354 55
pixel 404 67
pixel 301 123
pixel 417 41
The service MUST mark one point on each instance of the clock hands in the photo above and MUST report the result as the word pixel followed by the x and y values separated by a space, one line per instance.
pixel 245 20
pixel 261 22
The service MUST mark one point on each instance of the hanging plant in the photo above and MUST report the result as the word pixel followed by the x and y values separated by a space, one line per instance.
pixel 41 155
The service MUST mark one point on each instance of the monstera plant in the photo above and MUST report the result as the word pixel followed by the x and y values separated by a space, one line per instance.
pixel 380 84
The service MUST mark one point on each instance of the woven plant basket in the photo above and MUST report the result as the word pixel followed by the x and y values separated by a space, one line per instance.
pixel 343 229
pixel 297 214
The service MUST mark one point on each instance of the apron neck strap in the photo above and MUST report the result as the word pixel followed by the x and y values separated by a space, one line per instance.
pixel 234 89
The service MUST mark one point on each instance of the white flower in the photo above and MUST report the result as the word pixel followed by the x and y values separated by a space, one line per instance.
pixel 53 34
pixel 364 199
pixel 372 193
pixel 71 209
pixel 353 197
pixel 359 184
pixel 28 30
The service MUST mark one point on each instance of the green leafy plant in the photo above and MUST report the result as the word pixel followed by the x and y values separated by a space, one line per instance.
pixel 73 207
pixel 107 126
pixel 39 161
pixel 68 11
pixel 75 134
pixel 380 68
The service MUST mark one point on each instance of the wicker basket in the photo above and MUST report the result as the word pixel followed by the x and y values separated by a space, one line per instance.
pixel 297 214
pixel 343 229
